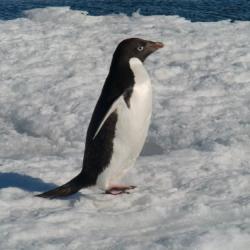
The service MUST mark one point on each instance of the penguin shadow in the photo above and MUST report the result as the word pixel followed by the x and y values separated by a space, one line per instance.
pixel 31 184
pixel 24 182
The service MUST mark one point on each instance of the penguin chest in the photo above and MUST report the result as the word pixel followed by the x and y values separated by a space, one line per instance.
pixel 133 119
pixel 134 116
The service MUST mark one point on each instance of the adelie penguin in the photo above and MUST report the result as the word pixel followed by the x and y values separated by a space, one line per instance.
pixel 119 124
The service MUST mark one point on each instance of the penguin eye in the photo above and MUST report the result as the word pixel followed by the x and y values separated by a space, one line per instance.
pixel 140 48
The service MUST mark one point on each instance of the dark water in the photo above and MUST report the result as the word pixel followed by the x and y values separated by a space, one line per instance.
pixel 194 10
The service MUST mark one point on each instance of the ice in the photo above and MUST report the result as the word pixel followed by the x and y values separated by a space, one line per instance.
pixel 193 176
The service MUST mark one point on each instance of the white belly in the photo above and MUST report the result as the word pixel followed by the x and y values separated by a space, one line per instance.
pixel 131 127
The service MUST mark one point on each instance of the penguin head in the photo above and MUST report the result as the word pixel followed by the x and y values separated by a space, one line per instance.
pixel 136 47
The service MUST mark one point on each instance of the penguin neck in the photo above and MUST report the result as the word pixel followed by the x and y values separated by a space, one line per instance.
pixel 139 71
pixel 125 74
pixel 120 74
pixel 120 66
pixel 128 68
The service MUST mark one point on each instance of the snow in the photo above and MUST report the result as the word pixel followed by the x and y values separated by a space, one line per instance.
pixel 193 176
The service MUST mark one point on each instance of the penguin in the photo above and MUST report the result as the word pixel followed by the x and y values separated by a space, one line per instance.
pixel 119 124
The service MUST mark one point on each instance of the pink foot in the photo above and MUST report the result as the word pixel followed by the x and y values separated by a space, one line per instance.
pixel 119 189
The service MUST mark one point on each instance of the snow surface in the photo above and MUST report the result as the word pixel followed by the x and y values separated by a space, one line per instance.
pixel 193 176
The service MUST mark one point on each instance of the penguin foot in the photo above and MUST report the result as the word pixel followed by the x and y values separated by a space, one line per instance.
pixel 119 189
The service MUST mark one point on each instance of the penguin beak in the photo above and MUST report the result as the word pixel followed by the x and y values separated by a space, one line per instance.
pixel 157 45
pixel 153 46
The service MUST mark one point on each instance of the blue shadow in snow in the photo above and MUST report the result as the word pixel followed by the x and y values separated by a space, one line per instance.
pixel 24 182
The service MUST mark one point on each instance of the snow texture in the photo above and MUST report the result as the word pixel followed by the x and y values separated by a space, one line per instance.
pixel 193 175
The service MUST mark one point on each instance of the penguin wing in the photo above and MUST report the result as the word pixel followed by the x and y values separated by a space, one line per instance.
pixel 109 112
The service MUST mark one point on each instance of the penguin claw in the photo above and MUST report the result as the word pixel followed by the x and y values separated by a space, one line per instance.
pixel 114 192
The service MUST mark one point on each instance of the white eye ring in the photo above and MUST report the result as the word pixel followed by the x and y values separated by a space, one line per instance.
pixel 140 48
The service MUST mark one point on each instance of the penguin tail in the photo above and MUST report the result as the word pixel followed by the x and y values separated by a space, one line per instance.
pixel 69 188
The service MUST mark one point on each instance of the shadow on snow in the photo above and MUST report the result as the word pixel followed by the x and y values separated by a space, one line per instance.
pixel 24 182
pixel 31 184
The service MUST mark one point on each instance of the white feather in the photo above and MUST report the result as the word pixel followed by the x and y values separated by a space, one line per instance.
pixel 131 127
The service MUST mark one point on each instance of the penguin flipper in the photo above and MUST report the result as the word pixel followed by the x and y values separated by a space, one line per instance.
pixel 68 188
pixel 109 112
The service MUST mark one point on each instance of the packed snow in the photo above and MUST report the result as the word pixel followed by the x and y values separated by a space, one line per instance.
pixel 193 175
